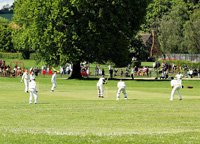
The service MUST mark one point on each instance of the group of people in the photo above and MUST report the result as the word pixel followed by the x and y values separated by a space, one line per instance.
pixel 4 71
pixel 66 69
pixel 121 87
pixel 29 81
pixel 30 84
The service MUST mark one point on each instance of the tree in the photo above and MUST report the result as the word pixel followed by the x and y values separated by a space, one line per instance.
pixel 7 9
pixel 171 30
pixel 155 11
pixel 62 31
pixel 158 8
pixel 192 33
pixel 6 44
pixel 138 49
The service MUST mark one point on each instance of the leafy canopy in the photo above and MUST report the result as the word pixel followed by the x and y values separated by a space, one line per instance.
pixel 62 31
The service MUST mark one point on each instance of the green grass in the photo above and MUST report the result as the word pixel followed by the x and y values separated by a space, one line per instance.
pixel 75 114
pixel 147 64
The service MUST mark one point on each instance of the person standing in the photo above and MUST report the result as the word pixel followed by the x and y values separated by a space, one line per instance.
pixel 121 86
pixel 96 70
pixel 111 73
pixel 179 77
pixel 26 78
pixel 32 76
pixel 103 73
pixel 100 86
pixel 53 81
pixel 122 72
pixel 88 72
pixel 33 91
pixel 176 85
pixel 132 73
pixel 147 71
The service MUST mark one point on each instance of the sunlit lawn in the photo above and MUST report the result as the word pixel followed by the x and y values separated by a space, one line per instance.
pixel 75 114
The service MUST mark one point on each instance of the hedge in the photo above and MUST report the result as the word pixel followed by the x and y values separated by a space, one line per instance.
pixel 11 55
pixel 182 63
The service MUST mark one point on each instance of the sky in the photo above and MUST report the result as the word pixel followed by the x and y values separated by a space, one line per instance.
pixel 4 2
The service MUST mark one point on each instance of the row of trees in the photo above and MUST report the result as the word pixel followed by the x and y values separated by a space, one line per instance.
pixel 62 31
pixel 6 44
pixel 73 31
pixel 177 23
pixel 7 9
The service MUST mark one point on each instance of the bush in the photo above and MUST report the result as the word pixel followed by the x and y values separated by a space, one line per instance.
pixel 182 63
pixel 11 55
pixel 32 56
pixel 136 63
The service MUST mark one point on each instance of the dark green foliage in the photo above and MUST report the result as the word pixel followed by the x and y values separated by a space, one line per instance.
pixel 7 9
pixel 10 55
pixel 72 31
pixel 192 33
pixel 138 49
pixel 6 44
pixel 177 29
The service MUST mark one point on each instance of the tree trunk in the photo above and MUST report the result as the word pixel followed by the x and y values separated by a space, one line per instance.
pixel 76 73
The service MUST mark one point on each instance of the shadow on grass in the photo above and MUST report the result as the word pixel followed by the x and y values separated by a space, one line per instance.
pixel 41 103
pixel 124 79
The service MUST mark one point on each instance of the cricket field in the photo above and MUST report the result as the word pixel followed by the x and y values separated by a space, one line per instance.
pixel 75 114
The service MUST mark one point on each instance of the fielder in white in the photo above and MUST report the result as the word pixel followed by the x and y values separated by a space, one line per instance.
pixel 26 78
pixel 100 86
pixel 179 77
pixel 53 81
pixel 32 76
pixel 33 91
pixel 121 86
pixel 176 85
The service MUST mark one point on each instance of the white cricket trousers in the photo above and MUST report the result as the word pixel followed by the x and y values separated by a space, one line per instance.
pixel 54 84
pixel 26 82
pixel 173 91
pixel 123 89
pixel 33 93
pixel 100 90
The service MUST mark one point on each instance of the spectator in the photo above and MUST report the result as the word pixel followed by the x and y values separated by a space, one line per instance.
pixel 103 72
pixel 109 67
pixel 122 72
pixel 35 70
pixel 162 75
pixel 67 70
pixel 147 71
pixel 136 69
pixel 190 73
pixel 96 70
pixel 111 73
pixel 154 65
pixel 116 70
pixel 88 72
pixel 132 73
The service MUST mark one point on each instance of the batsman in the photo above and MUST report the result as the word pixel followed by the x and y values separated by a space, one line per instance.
pixel 100 86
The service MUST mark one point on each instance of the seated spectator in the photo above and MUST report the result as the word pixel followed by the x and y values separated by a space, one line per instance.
pixel 116 70
pixel 162 75
pixel 190 73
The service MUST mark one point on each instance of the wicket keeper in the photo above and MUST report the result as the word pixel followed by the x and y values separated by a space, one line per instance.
pixel 121 86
